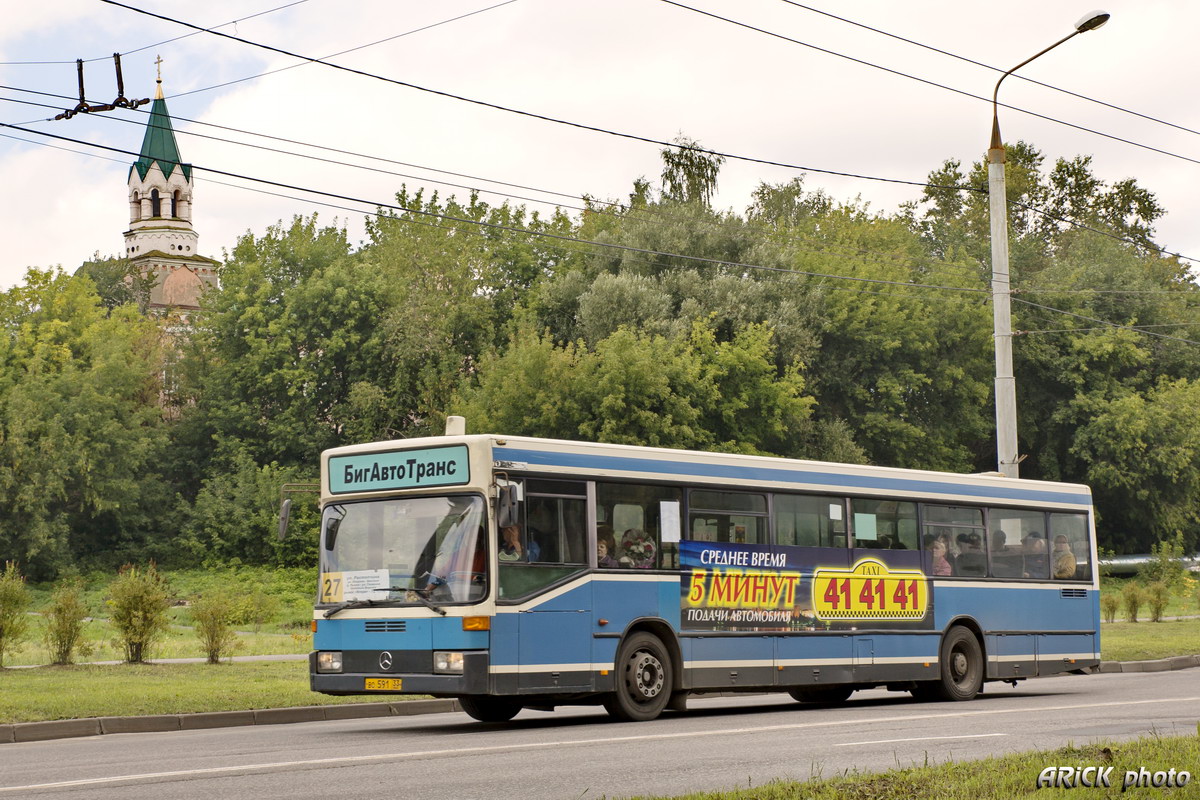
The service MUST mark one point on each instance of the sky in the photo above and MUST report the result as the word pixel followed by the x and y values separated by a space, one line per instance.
pixel 643 67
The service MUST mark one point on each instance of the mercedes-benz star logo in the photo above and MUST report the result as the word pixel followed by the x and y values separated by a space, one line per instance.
pixel 385 661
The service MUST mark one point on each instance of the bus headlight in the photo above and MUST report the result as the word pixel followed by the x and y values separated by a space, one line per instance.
pixel 329 661
pixel 448 662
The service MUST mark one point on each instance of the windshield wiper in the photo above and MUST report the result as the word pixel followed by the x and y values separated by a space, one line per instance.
pixel 348 604
pixel 418 593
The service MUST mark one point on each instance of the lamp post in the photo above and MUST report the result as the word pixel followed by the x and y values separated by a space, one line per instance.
pixel 1006 385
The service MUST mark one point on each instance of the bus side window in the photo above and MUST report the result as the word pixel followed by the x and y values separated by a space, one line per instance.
pixel 884 524
pixel 735 517
pixel 1008 530
pixel 1070 556
pixel 637 524
pixel 809 520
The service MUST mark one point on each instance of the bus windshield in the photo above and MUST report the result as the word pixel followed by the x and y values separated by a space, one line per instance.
pixel 404 551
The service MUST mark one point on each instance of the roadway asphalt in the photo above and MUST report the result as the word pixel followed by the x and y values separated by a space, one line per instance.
pixel 94 726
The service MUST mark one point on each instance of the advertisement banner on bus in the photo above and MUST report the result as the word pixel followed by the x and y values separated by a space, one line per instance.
pixel 729 586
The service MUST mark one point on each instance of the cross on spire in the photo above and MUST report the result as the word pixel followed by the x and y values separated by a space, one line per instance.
pixel 158 64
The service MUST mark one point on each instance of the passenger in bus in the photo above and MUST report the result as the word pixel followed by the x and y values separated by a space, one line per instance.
pixel 604 559
pixel 1005 563
pixel 1064 559
pixel 510 544
pixel 511 548
pixel 1034 552
pixel 971 560
pixel 937 548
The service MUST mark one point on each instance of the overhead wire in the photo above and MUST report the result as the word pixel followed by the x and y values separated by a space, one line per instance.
pixel 932 266
pixel 1101 321
pixel 341 52
pixel 535 115
pixel 607 245
pixel 156 44
pixel 990 67
pixel 677 145
pixel 509 228
pixel 913 77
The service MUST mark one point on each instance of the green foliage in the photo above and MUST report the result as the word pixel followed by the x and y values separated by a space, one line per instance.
pixel 1109 605
pixel 138 600
pixel 117 282
pixel 14 602
pixel 1166 565
pixel 689 173
pixel 689 392
pixel 1157 596
pixel 65 621
pixel 80 425
pixel 1132 598
pixel 212 614
pixel 234 517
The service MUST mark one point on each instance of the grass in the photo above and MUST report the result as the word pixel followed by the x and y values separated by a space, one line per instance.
pixel 1141 641
pixel 180 642
pixel 28 695
pixel 1000 778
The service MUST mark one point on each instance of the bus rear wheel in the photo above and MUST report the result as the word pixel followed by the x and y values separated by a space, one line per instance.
pixel 961 664
pixel 490 709
pixel 644 679
pixel 821 694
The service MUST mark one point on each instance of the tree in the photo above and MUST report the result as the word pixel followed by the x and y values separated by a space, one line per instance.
pixel 690 172
pixel 1143 459
pixel 689 391
pixel 81 429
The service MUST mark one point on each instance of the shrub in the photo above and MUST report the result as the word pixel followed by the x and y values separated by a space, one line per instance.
pixel 212 614
pixel 1157 597
pixel 1166 563
pixel 65 620
pixel 14 601
pixel 139 599
pixel 1109 605
pixel 1132 598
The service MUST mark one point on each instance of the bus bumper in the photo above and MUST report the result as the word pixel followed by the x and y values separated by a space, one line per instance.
pixel 473 680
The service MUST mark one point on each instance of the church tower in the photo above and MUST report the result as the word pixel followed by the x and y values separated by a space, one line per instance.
pixel 161 243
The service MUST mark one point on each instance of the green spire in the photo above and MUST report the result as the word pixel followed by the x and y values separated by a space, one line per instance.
pixel 159 144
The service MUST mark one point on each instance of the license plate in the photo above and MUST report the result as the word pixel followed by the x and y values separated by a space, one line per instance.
pixel 384 684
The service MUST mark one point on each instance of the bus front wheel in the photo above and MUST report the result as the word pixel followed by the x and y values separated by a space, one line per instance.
pixel 490 709
pixel 644 679
pixel 961 667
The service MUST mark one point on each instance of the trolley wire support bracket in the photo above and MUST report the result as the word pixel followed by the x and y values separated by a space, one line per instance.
pixel 121 101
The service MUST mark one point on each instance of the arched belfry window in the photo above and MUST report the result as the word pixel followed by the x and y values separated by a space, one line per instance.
pixel 155 203
pixel 135 207
pixel 175 203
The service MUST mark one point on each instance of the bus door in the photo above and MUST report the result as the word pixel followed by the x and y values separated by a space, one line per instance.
pixel 537 561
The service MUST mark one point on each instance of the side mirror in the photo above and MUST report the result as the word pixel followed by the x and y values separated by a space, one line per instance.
pixel 506 507
pixel 285 513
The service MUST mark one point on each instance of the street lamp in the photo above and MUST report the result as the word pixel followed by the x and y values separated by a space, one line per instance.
pixel 1006 386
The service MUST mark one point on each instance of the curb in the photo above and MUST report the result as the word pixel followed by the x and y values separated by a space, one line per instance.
pixel 1158 665
pixel 97 726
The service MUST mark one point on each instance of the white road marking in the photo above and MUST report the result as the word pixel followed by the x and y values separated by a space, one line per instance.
pixel 921 739
pixel 345 760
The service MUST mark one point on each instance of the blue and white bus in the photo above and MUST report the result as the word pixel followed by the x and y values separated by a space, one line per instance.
pixel 515 572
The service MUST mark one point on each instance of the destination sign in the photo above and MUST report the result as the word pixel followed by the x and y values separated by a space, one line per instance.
pixel 399 469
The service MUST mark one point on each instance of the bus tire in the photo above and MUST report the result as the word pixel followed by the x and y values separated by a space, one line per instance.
pixel 961 663
pixel 490 709
pixel 644 679
pixel 821 694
